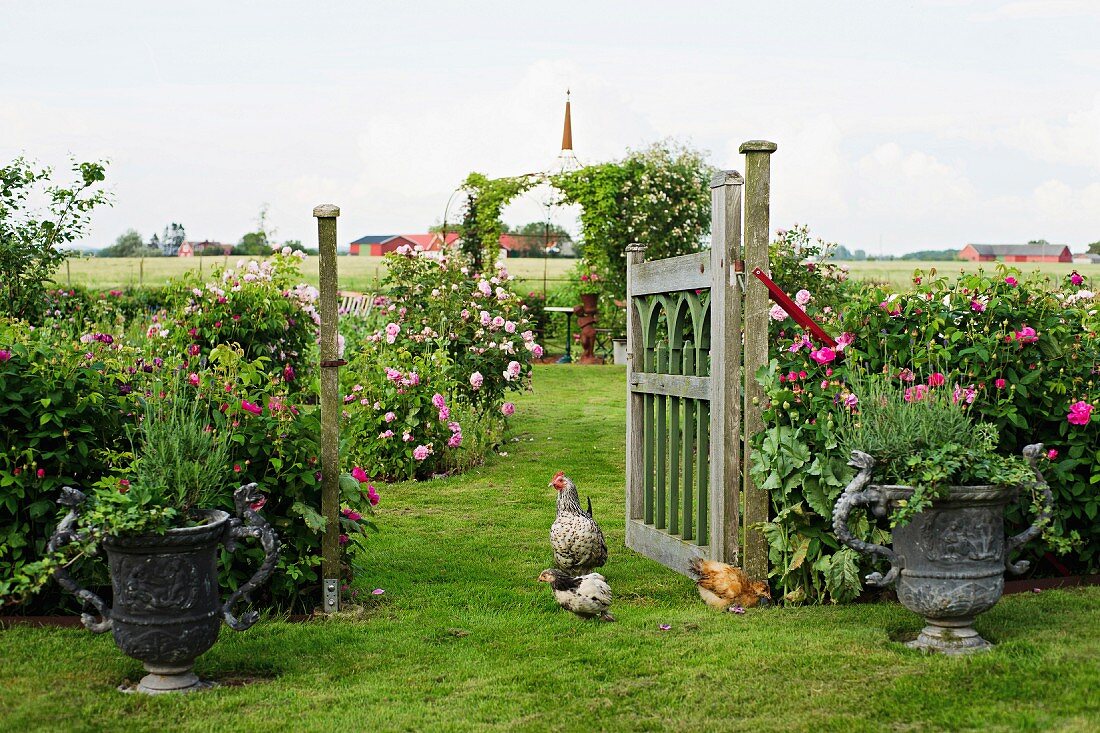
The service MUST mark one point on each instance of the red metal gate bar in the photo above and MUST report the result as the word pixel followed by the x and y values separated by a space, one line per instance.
pixel 793 310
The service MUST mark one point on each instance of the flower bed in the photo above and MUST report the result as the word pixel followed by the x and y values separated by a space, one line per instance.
pixel 74 389
pixel 1023 355
pixel 426 388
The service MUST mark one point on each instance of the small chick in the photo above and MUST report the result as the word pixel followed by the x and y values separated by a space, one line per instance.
pixel 588 596
pixel 723 586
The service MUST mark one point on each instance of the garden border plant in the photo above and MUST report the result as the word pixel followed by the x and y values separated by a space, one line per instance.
pixel 1026 354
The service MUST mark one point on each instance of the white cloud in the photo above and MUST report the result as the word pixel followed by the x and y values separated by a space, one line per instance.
pixel 1074 140
pixel 911 185
pixel 1030 9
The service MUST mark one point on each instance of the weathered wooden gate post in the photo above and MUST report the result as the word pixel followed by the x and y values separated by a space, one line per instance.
pixel 330 407
pixel 757 204
pixel 725 366
pixel 635 451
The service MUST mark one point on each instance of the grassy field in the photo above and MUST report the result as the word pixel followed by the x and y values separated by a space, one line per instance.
pixel 356 273
pixel 464 639
pixel 362 273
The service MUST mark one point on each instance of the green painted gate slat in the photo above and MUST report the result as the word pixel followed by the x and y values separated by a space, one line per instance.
pixel 661 519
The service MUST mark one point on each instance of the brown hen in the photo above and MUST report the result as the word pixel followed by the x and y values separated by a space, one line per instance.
pixel 723 586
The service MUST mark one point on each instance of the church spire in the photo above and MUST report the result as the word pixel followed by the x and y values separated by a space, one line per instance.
pixel 567 133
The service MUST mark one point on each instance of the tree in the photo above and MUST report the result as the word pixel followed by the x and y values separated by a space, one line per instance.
pixel 659 196
pixel 29 238
pixel 1094 248
pixel 253 243
pixel 259 242
pixel 130 244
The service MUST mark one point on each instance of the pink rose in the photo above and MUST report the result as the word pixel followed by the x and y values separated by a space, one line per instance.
pixel 936 379
pixel 389 417
pixel 421 452
pixel 508 409
pixel 359 475
pixel 999 383
pixel 1011 281
pixel 372 495
pixel 777 313
pixel 1075 278
pixel 476 380
pixel 1080 413
pixel 802 297
pixel 4 355
pixel 1052 454
pixel 843 341
pixel 823 355
pixel 41 473
pixel 193 379
pixel 455 440
pixel 251 407
pixel 1026 335
pixel 438 400
pixel 444 414
pixel 392 329
pixel 977 306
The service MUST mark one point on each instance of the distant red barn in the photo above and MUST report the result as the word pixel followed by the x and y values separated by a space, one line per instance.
pixel 1034 252
pixel 377 245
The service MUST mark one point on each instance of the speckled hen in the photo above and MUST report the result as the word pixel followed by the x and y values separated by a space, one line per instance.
pixel 588 596
pixel 576 538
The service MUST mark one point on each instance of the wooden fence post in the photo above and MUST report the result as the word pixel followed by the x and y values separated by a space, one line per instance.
pixel 757 204
pixel 635 452
pixel 725 367
pixel 330 407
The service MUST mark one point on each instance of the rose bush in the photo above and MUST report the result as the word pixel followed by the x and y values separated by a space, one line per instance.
pixel 1025 356
pixel 447 346
pixel 261 306
pixel 71 400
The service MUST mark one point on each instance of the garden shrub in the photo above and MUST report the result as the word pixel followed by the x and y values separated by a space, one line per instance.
pixel 447 342
pixel 63 413
pixel 258 306
pixel 1026 355
pixel 70 403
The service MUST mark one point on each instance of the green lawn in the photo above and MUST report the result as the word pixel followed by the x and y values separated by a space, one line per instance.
pixel 465 639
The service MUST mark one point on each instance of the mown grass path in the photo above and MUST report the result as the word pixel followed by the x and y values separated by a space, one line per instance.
pixel 465 639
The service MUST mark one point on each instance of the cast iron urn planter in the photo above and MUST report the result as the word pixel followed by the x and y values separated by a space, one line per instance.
pixel 166 606
pixel 949 561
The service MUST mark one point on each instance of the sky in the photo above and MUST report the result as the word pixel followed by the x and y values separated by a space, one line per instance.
pixel 924 124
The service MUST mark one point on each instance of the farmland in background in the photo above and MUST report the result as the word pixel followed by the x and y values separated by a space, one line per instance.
pixel 363 273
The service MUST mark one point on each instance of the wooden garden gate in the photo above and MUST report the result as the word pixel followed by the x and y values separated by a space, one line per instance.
pixel 696 334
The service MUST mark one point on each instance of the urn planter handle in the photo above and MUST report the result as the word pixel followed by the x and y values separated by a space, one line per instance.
pixel 63 535
pixel 856 494
pixel 248 523
pixel 1032 453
